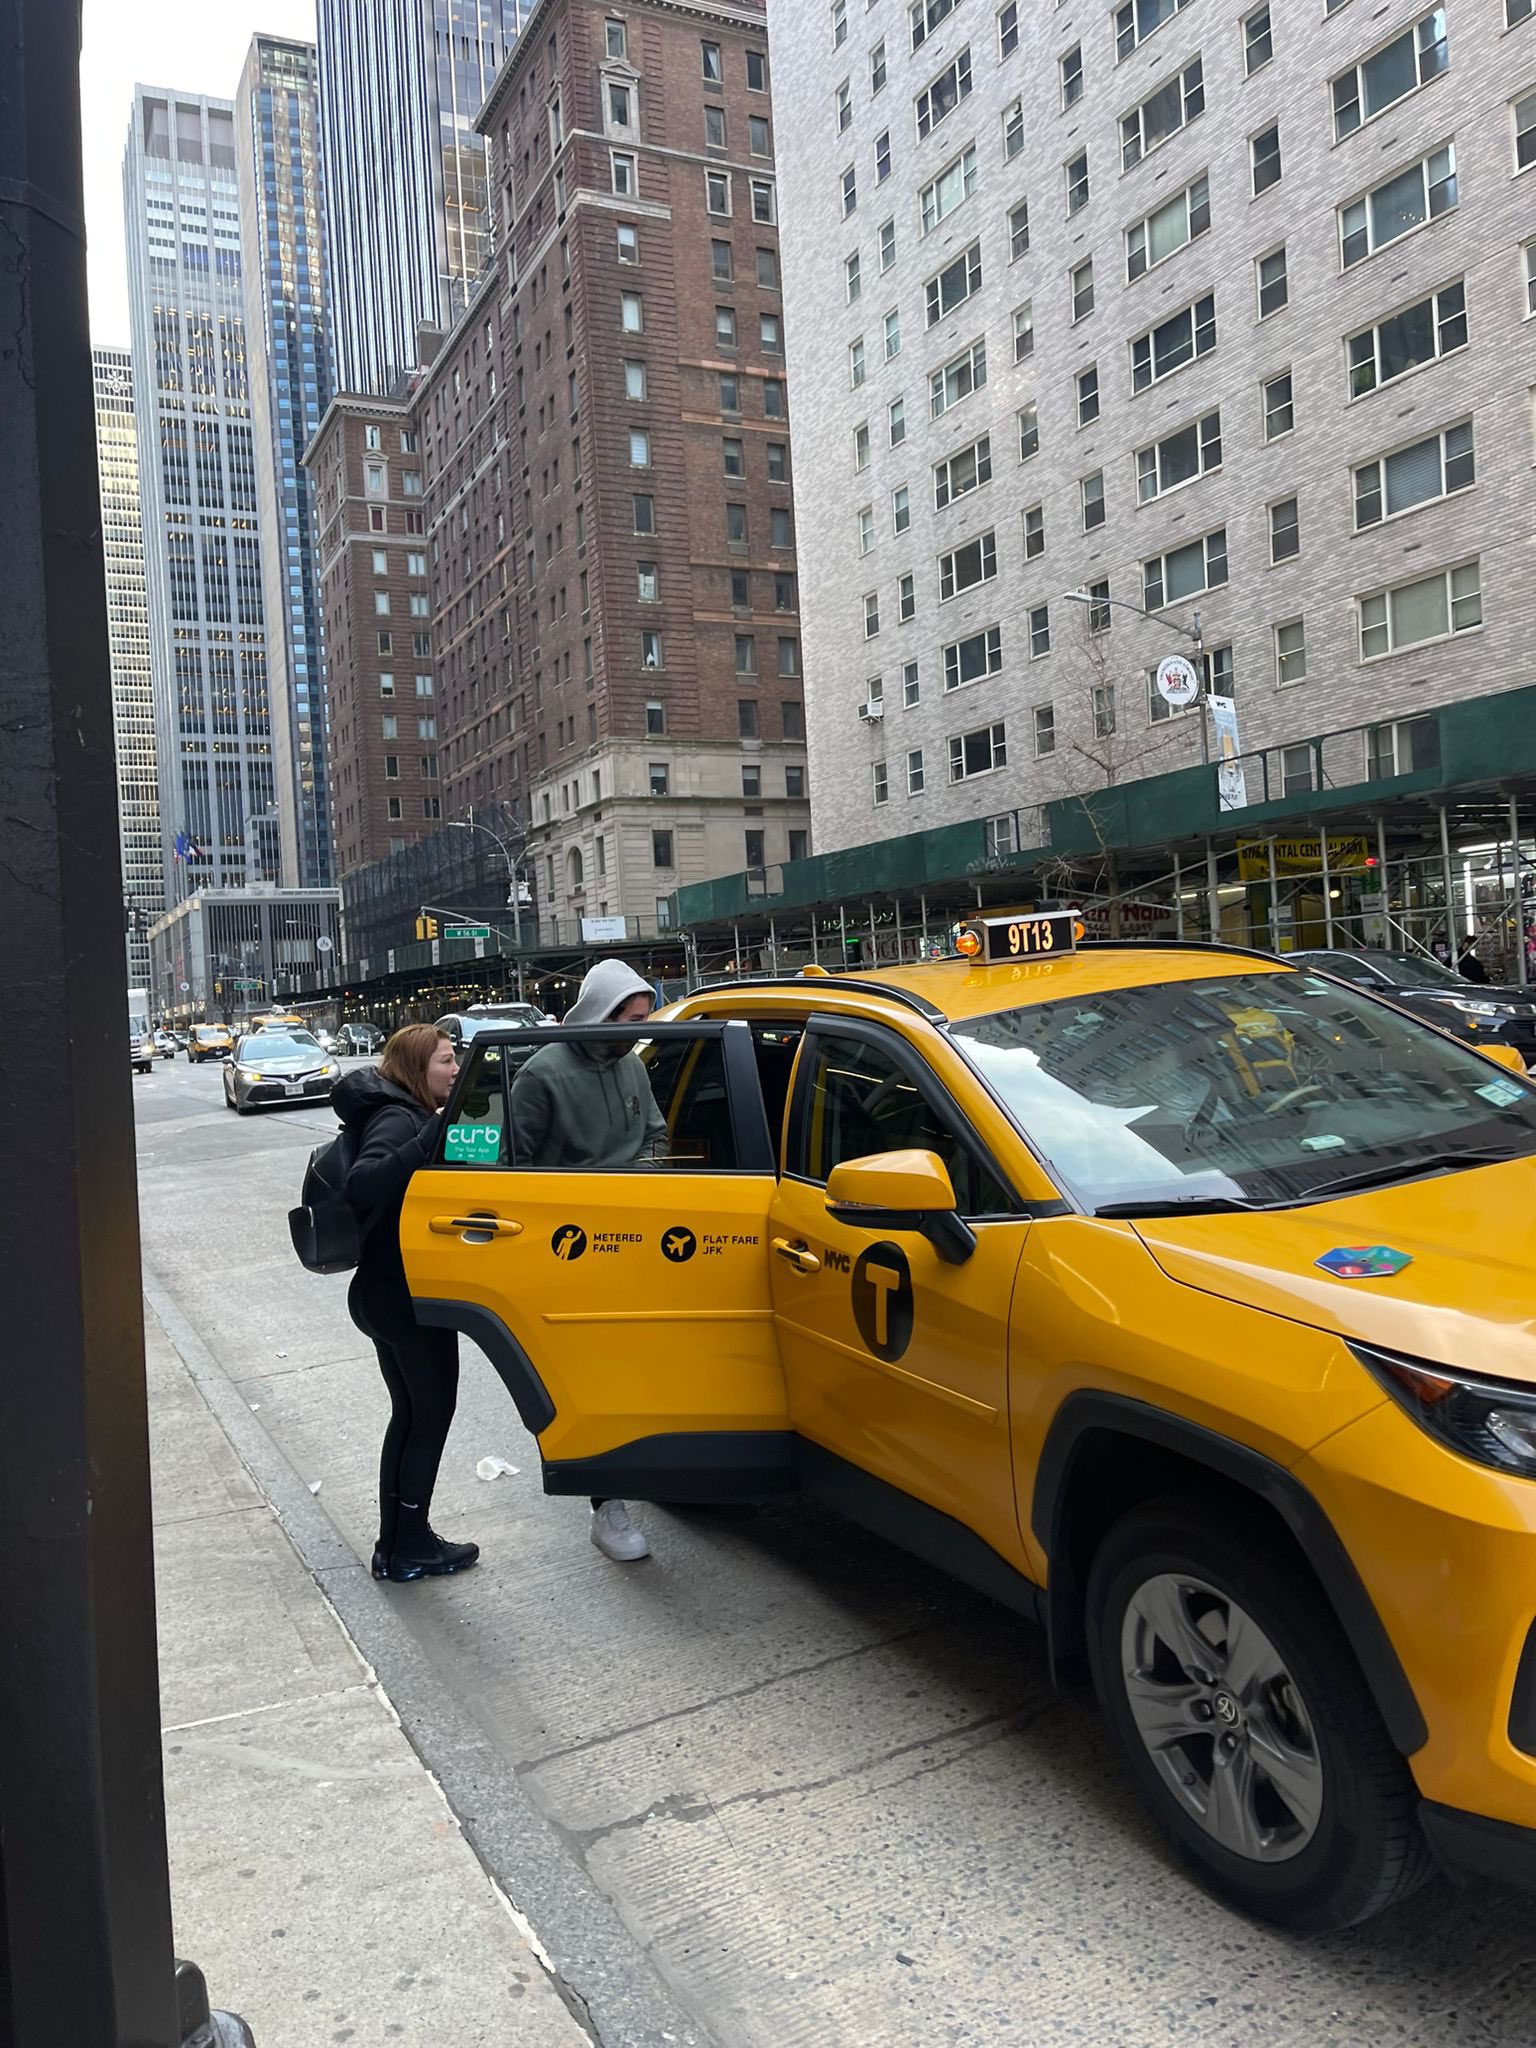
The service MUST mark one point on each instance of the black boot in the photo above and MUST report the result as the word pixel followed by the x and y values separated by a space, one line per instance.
pixel 420 1552
pixel 389 1516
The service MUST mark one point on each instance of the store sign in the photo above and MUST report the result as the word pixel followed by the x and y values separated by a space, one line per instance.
pixel 604 931
pixel 1231 782
pixel 1302 856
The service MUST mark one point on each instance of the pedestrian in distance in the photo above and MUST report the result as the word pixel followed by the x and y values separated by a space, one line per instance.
pixel 588 1106
pixel 1469 965
pixel 395 1112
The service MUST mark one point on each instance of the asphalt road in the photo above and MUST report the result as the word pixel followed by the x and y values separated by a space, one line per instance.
pixel 779 1785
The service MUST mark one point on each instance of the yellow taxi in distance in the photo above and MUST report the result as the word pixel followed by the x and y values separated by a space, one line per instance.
pixel 1179 1298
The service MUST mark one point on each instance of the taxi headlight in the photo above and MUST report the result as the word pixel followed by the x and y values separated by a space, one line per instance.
pixel 1491 1421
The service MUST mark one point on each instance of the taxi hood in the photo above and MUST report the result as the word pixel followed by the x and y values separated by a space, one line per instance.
pixel 1466 1298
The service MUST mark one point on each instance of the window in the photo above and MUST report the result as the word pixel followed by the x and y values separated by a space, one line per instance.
pixel 954 284
pixel 1103 711
pixel 736 525
pixel 906 598
pixel 1398 68
pixel 372 438
pixel 844 107
pixel 882 156
pixel 717 193
pixel 915 772
pixel 939 99
pixel 788 655
pixel 622 168
pixel 386 686
pixel 725 327
pixel 881 787
pixel 423 686
pixel 650 650
pixel 1415 475
pixel 1423 192
pixel 634 380
pixel 1264 159
pixel 1198 565
pixel 1044 718
pixel 856 362
pixel 1007 30
pixel 794 782
pixel 1136 20
pixel 1450 601
pixel 655 718
pixel 1529 253
pixel 764 211
pixel 620 108
pixel 1291 657
pixel 639 448
pixel 779 532
pixel 887 244
pixel 613 33
pixel 746 718
pixel 385 642
pixel 1176 341
pixel 1279 410
pixel 962 568
pixel 877 71
pixel 1284 530
pixel 967 372
pixel 392 767
pixel 964 471
pixel 925 17
pixel 1018 231
pixel 1077 182
pixel 645 513
pixel 380 562
pixel 1039 631
pixel 1100 611
pixel 792 712
pixel 415 565
pixel 1072 76
pixel 661 849
pixel 969 660
pixel 871 614
pixel 777 454
pixel 658 778
pixel 730 393
pixel 1178 458
pixel 773 399
pixel 631 312
pixel 1172 107
pixel 647 583
pixel 1092 491
pixel 1013 130
pixel 1518 10
pixel 746 654
pixel 956 182
pixel 1088 395
pixel 1029 430
pixel 757 71
pixel 381 603
pixel 1273 282
pixel 1525 132
pixel 896 421
pixel 1082 290
pixel 389 727
pixel 1434 327
pixel 1034 531
pixel 1258 41
pixel 839 23
pixel 861 445
pixel 741 598
pixel 892 334
pixel 911 687
pixel 978 752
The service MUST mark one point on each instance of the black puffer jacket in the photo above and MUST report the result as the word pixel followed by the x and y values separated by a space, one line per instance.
pixel 395 1136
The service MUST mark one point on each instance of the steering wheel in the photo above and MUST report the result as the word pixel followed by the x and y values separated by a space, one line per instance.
pixel 1293 1095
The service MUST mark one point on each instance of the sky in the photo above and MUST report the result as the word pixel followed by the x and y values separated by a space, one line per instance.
pixel 195 45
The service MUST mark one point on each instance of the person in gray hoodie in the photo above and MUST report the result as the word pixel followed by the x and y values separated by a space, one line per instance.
pixel 588 1105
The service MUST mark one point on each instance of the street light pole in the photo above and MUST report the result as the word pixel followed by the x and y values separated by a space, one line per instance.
pixel 1194 634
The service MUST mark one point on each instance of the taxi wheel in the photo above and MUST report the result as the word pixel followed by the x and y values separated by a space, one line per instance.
pixel 1247 1722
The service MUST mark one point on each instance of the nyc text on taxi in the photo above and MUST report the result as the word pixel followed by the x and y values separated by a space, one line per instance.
pixel 1176 1297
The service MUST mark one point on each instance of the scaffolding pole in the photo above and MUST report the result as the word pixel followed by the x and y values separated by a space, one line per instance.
pixel 1522 972
pixel 1451 947
pixel 1212 894
pixel 1274 899
pixel 1178 898
pixel 1322 842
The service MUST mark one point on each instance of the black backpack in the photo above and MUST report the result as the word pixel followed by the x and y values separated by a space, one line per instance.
pixel 325 1231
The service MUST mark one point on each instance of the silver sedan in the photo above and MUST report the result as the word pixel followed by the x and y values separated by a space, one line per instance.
pixel 278 1066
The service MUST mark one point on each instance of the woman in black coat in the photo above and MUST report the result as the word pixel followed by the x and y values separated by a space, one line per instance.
pixel 395 1111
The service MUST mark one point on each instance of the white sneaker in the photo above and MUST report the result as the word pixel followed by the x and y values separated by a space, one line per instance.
pixel 616 1535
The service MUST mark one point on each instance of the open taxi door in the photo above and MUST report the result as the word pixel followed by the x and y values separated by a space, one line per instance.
pixel 628 1311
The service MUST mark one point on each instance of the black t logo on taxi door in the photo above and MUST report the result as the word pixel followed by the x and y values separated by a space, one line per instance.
pixel 882 1299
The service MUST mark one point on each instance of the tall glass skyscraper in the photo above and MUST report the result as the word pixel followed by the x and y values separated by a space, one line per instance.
pixel 277 147
pixel 407 200
pixel 133 704
pixel 197 480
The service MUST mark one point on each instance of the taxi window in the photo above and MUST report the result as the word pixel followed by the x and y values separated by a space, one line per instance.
pixel 478 1134
pixel 860 1099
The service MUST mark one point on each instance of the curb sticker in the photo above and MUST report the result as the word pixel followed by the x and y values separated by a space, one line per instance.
pixel 476 1144
pixel 678 1244
pixel 568 1242
pixel 1364 1261
pixel 882 1300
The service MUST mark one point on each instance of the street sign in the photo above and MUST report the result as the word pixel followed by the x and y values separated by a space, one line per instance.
pixel 185 987
pixel 602 931
pixel 323 944
pixel 1177 682
pixel 466 931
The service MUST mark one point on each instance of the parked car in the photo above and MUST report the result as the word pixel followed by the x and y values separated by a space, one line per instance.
pixel 165 1044
pixel 1474 1010
pixel 359 1037
pixel 209 1042
pixel 462 1025
pixel 278 1066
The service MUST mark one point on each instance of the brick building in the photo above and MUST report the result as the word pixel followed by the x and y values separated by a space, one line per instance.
pixel 605 439
pixel 386 789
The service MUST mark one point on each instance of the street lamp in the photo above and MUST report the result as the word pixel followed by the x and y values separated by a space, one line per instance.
pixel 473 825
pixel 1194 634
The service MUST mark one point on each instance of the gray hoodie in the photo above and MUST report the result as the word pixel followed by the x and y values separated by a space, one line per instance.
pixel 589 1105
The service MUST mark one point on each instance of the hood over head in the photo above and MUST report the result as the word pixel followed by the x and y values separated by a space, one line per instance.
pixel 357 1095
pixel 604 987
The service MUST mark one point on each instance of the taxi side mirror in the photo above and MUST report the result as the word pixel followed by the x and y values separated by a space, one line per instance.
pixel 1504 1056
pixel 902 1191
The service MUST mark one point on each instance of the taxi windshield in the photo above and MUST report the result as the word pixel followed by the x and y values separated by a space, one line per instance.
pixel 1243 1089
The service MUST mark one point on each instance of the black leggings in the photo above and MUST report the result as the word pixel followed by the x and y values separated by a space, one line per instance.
pixel 421 1371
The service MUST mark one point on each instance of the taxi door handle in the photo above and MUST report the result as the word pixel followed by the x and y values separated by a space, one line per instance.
pixel 797 1256
pixel 485 1227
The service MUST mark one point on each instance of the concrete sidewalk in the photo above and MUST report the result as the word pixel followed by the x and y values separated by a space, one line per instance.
pixel 318 1875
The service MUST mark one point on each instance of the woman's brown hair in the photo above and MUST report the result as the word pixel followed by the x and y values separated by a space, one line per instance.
pixel 404 1060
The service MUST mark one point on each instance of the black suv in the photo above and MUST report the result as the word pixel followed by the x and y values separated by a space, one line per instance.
pixel 1473 1010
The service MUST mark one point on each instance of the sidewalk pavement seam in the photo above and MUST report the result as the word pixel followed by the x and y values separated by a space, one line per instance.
pixel 612 1988
pixel 271 1707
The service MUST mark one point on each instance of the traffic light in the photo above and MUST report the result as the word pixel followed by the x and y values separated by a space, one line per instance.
pixel 426 927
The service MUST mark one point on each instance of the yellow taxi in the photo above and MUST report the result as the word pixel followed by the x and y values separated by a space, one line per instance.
pixel 1177 1297
pixel 209 1042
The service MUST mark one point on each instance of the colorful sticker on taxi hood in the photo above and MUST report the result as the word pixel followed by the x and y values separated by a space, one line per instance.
pixel 1364 1261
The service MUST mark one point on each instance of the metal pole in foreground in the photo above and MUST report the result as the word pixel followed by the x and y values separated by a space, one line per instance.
pixel 85 1918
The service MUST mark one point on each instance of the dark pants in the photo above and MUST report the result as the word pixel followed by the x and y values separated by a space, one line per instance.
pixel 421 1371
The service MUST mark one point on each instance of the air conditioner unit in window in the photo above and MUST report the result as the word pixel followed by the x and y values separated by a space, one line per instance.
pixel 872 711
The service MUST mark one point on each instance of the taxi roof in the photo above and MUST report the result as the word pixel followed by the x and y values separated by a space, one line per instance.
pixel 956 989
